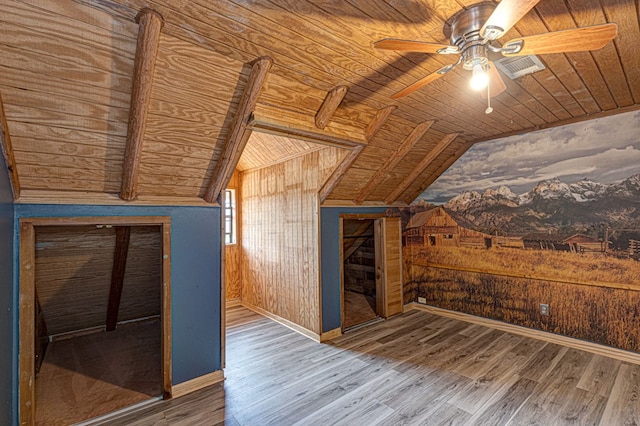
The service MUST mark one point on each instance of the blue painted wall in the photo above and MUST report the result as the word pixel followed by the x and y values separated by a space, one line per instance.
pixel 7 378
pixel 330 259
pixel 195 277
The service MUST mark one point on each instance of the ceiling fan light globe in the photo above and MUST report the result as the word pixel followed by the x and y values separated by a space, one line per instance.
pixel 479 78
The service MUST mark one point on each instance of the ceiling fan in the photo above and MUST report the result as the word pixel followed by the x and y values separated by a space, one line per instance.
pixel 473 32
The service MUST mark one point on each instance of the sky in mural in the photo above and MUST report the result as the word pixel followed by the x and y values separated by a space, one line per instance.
pixel 605 150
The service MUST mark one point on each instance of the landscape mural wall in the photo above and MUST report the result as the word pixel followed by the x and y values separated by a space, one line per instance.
pixel 551 217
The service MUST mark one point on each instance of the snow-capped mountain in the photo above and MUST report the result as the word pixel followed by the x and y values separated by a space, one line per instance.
pixel 550 205
pixel 555 189
pixel 490 197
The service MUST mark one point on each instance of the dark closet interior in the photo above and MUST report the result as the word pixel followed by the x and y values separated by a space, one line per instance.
pixel 98 308
pixel 359 269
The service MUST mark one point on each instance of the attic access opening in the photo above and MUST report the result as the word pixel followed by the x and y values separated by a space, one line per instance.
pixel 67 286
pixel 371 268
pixel 359 272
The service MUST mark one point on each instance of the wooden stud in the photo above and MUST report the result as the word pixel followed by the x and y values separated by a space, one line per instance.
pixel 377 121
pixel 355 243
pixel 146 51
pixel 239 134
pixel 435 152
pixel 329 105
pixel 26 356
pixel 417 133
pixel 121 250
pixel 338 173
pixel 7 152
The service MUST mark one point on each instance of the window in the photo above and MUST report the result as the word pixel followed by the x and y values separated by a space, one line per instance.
pixel 230 216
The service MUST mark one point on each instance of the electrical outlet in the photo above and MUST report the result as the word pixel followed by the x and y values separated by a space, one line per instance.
pixel 422 300
pixel 544 309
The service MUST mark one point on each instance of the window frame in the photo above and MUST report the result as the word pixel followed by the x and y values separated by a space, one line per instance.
pixel 230 214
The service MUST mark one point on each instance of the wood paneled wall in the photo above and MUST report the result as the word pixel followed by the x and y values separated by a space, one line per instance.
pixel 233 252
pixel 280 236
pixel 73 267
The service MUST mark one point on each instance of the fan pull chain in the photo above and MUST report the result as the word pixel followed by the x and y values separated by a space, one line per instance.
pixel 489 110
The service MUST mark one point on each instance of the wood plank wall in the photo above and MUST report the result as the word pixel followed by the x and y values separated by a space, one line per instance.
pixel 233 252
pixel 280 236
pixel 73 268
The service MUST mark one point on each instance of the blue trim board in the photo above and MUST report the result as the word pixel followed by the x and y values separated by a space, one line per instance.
pixel 330 260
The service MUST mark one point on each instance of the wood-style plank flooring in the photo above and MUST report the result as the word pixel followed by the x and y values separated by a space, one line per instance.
pixel 417 368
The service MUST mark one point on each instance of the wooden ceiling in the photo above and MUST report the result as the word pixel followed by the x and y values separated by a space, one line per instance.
pixel 67 71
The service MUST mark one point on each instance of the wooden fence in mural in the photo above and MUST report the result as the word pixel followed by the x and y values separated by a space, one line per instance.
pixel 634 249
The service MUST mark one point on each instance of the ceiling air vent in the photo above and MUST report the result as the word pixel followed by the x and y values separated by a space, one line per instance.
pixel 518 66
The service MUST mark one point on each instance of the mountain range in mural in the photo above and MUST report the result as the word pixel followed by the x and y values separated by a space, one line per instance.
pixel 552 206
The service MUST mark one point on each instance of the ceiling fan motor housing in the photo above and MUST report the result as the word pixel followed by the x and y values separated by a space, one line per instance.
pixel 463 29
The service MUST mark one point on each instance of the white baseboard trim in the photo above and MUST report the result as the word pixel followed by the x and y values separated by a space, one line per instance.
pixel 546 336
pixel 198 383
pixel 289 324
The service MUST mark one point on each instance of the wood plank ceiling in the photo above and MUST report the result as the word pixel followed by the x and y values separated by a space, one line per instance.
pixel 67 73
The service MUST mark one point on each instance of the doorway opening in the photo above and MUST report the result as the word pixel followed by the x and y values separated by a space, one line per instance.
pixel 94 316
pixel 359 272
pixel 371 269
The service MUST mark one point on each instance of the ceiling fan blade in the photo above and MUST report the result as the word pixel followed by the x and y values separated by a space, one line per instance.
pixel 422 82
pixel 413 46
pixel 496 83
pixel 505 16
pixel 574 40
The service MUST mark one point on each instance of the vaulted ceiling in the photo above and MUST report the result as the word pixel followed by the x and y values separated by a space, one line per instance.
pixel 67 74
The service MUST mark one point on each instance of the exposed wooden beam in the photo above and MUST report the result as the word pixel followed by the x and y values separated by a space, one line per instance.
pixel 417 134
pixel 7 152
pixel 146 51
pixel 338 173
pixel 355 243
pixel 297 125
pixel 377 121
pixel 440 170
pixel 330 105
pixel 120 252
pixel 417 171
pixel 239 133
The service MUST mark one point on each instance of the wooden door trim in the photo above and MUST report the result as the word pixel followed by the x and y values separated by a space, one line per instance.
pixel 380 266
pixel 340 239
pixel 26 327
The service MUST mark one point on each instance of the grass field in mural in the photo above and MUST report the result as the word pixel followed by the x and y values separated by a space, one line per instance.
pixel 608 316
pixel 588 268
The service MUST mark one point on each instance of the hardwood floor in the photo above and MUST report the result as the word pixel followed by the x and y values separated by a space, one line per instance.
pixel 417 368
